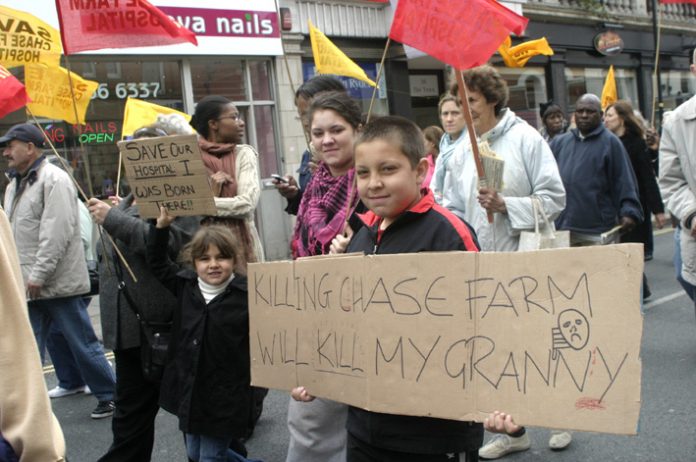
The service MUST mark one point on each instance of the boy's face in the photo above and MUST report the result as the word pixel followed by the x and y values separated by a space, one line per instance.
pixel 212 267
pixel 387 183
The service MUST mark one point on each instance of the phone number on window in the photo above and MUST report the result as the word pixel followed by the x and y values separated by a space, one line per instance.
pixel 124 90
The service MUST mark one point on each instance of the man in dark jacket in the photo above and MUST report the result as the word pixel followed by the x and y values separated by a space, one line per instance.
pixel 601 190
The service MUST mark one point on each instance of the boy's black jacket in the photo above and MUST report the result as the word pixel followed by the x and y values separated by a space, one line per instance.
pixel 425 227
pixel 206 382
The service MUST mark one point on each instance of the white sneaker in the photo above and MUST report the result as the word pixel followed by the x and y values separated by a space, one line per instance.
pixel 560 440
pixel 59 392
pixel 501 445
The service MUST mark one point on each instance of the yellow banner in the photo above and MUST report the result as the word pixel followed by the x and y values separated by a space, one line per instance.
pixel 139 113
pixel 25 39
pixel 49 89
pixel 609 95
pixel 518 55
pixel 329 59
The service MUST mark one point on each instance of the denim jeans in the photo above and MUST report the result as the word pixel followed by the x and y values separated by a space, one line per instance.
pixel 67 372
pixel 71 319
pixel 201 448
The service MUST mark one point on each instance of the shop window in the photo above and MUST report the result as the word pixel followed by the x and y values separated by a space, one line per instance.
pixel 527 88
pixel 265 140
pixel 248 84
pixel 91 148
pixel 591 80
pixel 677 87
pixel 261 80
pixel 219 77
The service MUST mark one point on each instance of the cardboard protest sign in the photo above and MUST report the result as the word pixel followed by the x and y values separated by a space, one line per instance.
pixel 167 172
pixel 552 337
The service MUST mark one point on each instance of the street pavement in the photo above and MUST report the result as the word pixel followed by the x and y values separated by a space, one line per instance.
pixel 667 423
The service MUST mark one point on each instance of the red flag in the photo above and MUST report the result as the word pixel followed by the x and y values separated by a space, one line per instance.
pixel 13 95
pixel 461 33
pixel 93 25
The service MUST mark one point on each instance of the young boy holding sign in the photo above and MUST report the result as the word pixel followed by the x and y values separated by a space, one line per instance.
pixel 403 218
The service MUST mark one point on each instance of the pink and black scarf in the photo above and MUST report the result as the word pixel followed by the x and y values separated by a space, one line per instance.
pixel 322 213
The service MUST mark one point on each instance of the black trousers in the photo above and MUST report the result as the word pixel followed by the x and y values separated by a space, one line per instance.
pixel 359 451
pixel 136 400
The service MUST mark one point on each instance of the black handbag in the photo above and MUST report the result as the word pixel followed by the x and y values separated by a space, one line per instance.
pixel 154 336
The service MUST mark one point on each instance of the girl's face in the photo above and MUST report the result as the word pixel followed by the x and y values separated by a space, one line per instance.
pixel 612 120
pixel 333 137
pixel 228 127
pixel 212 267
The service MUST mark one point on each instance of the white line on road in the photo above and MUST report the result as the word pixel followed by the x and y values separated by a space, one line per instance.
pixel 664 299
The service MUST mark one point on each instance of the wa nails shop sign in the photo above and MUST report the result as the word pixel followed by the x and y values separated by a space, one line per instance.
pixel 229 27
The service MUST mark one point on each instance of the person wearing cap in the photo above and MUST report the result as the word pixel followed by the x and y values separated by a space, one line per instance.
pixel 40 203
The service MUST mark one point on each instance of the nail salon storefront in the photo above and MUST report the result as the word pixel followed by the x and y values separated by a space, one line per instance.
pixel 238 42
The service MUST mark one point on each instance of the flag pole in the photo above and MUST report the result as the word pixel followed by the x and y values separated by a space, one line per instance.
pixel 657 78
pixel 67 168
pixel 464 96
pixel 77 119
pixel 379 76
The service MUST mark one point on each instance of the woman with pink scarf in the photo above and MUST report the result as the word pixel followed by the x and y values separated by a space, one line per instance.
pixel 317 429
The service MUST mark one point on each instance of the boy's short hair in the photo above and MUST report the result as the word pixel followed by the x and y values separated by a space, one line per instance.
pixel 399 131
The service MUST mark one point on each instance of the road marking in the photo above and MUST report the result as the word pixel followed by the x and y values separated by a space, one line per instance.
pixel 50 369
pixel 664 299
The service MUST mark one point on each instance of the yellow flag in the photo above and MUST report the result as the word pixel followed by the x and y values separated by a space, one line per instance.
pixel 140 113
pixel 329 59
pixel 609 90
pixel 25 39
pixel 49 89
pixel 518 55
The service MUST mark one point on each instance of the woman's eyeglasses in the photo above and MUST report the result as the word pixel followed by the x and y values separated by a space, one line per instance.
pixel 235 117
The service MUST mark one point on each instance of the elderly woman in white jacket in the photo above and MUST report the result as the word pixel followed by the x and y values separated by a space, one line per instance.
pixel 530 169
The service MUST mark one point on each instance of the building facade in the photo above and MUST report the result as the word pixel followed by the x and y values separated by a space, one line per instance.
pixel 257 56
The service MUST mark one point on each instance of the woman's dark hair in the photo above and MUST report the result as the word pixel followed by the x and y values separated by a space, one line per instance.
pixel 208 108
pixel 319 84
pixel 487 81
pixel 219 236
pixel 339 102
pixel 624 110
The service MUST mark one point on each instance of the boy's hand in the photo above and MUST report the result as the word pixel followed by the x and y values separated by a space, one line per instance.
pixel 98 209
pixel 500 422
pixel 491 200
pixel 288 190
pixel 339 244
pixel 301 394
pixel 164 219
